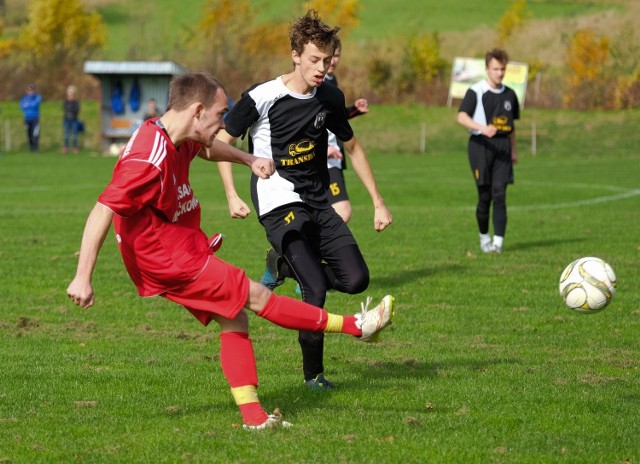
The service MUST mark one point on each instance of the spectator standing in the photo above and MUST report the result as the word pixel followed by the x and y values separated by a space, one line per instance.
pixel 71 109
pixel 152 110
pixel 30 106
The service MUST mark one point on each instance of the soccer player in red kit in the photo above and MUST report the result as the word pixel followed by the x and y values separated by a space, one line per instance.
pixel 156 219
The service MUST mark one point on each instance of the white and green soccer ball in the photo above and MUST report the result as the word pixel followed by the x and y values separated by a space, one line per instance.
pixel 587 285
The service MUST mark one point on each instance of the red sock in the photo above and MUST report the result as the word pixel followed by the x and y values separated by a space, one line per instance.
pixel 293 314
pixel 298 315
pixel 239 367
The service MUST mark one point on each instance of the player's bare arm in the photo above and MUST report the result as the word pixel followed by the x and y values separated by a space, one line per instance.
pixel 224 152
pixel 467 121
pixel 80 290
pixel 382 216
pixel 238 209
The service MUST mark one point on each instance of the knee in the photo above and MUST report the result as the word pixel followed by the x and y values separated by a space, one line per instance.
pixel 238 324
pixel 258 296
pixel 358 283
pixel 499 193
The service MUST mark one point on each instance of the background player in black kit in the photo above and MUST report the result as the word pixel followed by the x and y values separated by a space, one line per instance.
pixel 488 111
pixel 287 119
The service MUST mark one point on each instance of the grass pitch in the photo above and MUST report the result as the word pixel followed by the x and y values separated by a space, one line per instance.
pixel 483 363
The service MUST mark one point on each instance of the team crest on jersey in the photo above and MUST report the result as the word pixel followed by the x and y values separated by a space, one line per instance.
pixel 319 122
pixel 507 106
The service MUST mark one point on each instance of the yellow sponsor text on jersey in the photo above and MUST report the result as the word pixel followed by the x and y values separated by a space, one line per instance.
pixel 297 160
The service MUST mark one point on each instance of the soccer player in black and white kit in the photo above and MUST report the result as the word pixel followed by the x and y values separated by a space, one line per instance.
pixel 488 111
pixel 338 196
pixel 287 119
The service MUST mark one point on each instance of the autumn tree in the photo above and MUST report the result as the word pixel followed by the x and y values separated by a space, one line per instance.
pixel 237 47
pixel 342 13
pixel 513 19
pixel 423 57
pixel 58 37
pixel 586 61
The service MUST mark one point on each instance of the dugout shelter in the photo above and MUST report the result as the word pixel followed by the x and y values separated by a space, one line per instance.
pixel 126 87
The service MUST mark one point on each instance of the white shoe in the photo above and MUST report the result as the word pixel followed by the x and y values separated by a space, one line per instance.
pixel 273 421
pixel 372 321
pixel 488 247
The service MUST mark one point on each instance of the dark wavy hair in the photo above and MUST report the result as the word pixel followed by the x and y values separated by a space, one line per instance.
pixel 311 29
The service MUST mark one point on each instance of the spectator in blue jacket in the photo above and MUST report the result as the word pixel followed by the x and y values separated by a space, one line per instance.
pixel 30 106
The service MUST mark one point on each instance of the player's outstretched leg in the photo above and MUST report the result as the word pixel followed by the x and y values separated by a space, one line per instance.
pixel 298 315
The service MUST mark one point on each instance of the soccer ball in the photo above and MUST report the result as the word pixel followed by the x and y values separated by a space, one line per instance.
pixel 587 285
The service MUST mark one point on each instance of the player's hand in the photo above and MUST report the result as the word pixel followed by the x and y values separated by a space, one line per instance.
pixel 80 292
pixel 362 105
pixel 263 167
pixel 382 218
pixel 489 131
pixel 334 152
pixel 238 208
pixel 514 158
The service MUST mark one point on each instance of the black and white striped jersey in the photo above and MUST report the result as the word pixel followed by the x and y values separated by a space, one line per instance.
pixel 291 129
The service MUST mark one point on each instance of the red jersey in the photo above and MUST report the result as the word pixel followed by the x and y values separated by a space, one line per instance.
pixel 157 216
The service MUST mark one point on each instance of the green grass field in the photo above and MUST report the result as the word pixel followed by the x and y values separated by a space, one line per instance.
pixel 483 363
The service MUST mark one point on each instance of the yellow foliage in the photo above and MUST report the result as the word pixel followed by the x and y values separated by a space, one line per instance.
pixel 238 44
pixel 60 29
pixel 342 13
pixel 424 56
pixel 627 91
pixel 7 47
pixel 512 20
pixel 586 61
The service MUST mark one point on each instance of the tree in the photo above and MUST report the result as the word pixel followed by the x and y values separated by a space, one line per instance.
pixel 586 62
pixel 58 37
pixel 342 13
pixel 512 20
pixel 239 47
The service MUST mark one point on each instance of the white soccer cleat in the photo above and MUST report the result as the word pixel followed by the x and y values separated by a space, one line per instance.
pixel 372 321
pixel 273 421
pixel 489 247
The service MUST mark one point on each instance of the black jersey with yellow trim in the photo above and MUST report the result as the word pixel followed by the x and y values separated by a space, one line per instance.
pixel 291 129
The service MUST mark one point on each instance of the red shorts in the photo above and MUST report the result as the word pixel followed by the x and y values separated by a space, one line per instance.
pixel 220 289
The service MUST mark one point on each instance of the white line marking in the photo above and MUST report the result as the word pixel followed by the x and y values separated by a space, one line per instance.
pixel 570 204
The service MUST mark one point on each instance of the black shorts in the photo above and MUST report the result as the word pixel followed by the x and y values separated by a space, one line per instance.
pixel 490 160
pixel 337 186
pixel 323 228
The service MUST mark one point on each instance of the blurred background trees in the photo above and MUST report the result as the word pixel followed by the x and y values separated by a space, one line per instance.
pixel 581 62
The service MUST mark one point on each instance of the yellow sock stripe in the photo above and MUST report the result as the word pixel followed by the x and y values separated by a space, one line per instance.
pixel 244 395
pixel 334 324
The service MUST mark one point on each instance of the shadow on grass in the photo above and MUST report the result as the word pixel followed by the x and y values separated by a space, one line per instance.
pixel 380 376
pixel 543 243
pixel 402 278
